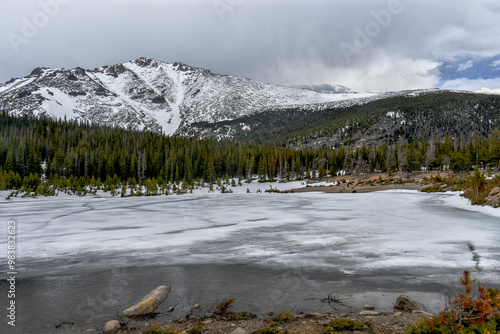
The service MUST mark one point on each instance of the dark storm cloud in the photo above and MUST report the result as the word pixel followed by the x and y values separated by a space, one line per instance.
pixel 363 44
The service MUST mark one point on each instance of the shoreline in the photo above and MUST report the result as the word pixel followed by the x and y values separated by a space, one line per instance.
pixel 346 184
pixel 303 323
pixel 422 181
pixel 479 189
pixel 343 189
pixel 372 182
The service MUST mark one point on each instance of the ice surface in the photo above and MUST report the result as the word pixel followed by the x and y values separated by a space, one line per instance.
pixel 269 251
pixel 352 233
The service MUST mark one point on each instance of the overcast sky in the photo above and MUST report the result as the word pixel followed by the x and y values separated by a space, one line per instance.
pixel 375 45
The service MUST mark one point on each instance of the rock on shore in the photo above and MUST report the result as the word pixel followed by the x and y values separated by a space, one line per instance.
pixel 493 198
pixel 111 326
pixel 406 304
pixel 149 303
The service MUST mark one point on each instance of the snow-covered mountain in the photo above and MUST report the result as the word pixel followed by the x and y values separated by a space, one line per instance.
pixel 148 94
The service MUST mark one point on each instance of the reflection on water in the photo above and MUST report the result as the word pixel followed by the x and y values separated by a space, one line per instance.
pixel 91 298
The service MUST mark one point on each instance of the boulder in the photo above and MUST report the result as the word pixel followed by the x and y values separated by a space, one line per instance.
pixel 493 198
pixel 148 304
pixel 314 315
pixel 406 304
pixel 239 330
pixel 495 191
pixel 111 326
pixel 369 313
pixel 369 308
pixel 426 314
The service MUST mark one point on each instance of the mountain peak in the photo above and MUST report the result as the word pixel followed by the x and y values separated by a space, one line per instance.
pixel 185 68
pixel 146 93
pixel 146 62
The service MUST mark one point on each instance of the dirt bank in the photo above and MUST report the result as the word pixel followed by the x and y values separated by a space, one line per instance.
pixel 385 323
pixel 371 182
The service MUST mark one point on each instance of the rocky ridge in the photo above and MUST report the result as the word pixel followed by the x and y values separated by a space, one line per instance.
pixel 149 94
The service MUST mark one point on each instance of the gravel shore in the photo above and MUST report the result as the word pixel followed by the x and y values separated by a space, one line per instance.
pixel 384 323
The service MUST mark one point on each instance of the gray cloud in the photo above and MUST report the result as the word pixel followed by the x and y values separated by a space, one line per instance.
pixel 325 88
pixel 363 44
pixel 492 5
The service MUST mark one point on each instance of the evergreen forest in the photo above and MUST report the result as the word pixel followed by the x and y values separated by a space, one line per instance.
pixel 42 156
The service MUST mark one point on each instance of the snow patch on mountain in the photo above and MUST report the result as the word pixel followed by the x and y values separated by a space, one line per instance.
pixel 57 103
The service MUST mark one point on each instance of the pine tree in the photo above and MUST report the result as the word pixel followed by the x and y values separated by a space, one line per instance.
pixel 211 176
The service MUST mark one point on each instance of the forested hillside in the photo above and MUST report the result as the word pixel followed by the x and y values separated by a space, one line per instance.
pixel 422 116
pixel 42 156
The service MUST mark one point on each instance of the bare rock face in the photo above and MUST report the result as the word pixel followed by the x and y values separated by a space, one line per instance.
pixel 111 326
pixel 495 191
pixel 493 198
pixel 149 94
pixel 149 303
pixel 406 304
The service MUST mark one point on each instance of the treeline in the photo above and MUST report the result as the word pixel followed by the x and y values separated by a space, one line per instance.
pixel 445 154
pixel 54 149
pixel 40 152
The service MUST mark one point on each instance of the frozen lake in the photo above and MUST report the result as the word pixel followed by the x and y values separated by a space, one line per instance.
pixel 83 260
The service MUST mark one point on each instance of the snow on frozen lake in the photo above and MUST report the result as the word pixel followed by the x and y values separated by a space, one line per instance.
pixel 269 251
pixel 347 232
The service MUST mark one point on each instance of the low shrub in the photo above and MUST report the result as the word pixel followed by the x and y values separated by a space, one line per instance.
pixel 344 324
pixel 435 188
pixel 471 312
pixel 158 330
pixel 245 315
pixel 223 307
pixel 283 316
pixel 196 330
